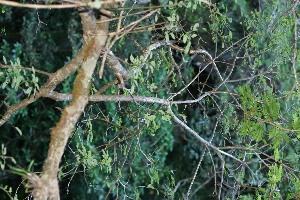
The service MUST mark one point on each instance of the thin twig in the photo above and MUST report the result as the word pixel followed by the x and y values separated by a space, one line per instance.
pixel 196 135
pixel 39 6
pixel 26 68
pixel 294 59
pixel 75 4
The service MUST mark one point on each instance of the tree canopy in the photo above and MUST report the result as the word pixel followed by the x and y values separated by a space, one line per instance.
pixel 149 99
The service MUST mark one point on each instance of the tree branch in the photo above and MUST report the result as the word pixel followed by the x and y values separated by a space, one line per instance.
pixel 203 141
pixel 75 4
pixel 53 80
pixel 38 6
pixel 26 68
pixel 61 133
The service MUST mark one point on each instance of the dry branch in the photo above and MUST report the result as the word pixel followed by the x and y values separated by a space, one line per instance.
pixel 72 4
pixel 38 6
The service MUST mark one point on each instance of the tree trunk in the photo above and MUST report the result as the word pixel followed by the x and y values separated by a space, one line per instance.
pixel 47 187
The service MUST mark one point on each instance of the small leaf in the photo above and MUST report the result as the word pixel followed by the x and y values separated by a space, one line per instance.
pixel 132 88
pixel 19 131
pixel 97 4
pixel 183 117
pixel 166 118
pixel 194 35
pixel 4 60
pixel 172 35
pixel 150 186
pixel 13 160
pixel 167 37
pixel 185 37
pixel 18 62
pixel 33 70
pixel 28 90
pixel 195 27
pixel 3 149
pixel 230 34
pixel 189 5
pixel 276 155
pixel 5 83
pixel 180 4
pixel 30 165
pixel 187 48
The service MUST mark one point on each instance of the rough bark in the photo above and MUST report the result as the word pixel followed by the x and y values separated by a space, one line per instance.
pixel 46 187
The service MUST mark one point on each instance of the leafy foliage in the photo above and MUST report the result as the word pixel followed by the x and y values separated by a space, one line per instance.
pixel 134 149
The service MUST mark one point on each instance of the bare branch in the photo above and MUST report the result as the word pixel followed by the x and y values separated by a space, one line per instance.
pixel 105 87
pixel 75 4
pixel 118 69
pixel 98 98
pixel 14 108
pixel 203 141
pixel 39 6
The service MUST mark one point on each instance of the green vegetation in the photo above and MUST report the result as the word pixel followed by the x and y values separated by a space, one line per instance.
pixel 211 109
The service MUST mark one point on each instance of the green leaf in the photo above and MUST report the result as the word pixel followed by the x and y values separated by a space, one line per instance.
pixel 4 60
pixel 131 58
pixel 185 37
pixel 33 70
pixel 156 18
pixel 30 165
pixel 172 35
pixel 189 4
pixel 4 84
pixel 276 155
pixel 183 117
pixel 167 37
pixel 166 118
pixel 150 186
pixel 194 35
pixel 195 27
pixel 187 48
pixel 19 131
pixel 97 4
pixel 28 90
pixel 3 149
